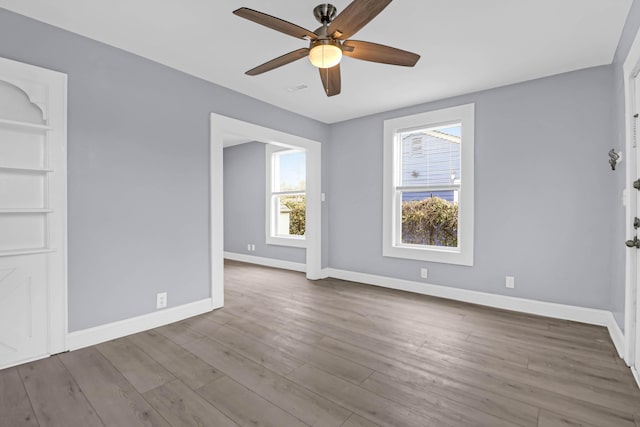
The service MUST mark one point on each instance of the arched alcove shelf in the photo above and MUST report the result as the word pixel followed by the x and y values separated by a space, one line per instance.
pixel 21 101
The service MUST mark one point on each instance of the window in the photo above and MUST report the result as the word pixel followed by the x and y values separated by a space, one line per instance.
pixel 286 196
pixel 428 186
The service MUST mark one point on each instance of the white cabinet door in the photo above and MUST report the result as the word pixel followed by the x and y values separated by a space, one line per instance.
pixel 32 212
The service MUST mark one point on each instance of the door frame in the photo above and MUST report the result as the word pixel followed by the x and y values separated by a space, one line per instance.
pixel 223 125
pixel 631 70
pixel 47 89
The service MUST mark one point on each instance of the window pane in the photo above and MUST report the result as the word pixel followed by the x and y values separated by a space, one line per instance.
pixel 430 218
pixel 431 156
pixel 289 171
pixel 290 215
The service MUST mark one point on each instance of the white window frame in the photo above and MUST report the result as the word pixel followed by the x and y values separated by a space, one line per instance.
pixel 392 214
pixel 270 220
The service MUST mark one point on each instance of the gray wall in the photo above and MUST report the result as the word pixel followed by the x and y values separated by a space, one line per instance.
pixel 244 204
pixel 138 151
pixel 618 214
pixel 543 192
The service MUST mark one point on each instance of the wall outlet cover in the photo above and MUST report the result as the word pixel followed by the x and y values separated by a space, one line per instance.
pixel 161 300
pixel 510 282
pixel 424 273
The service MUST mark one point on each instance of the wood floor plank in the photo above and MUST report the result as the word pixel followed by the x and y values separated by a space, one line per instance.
pixel 357 399
pixel 266 355
pixel 260 315
pixel 473 411
pixel 298 401
pixel 313 355
pixel 179 332
pixel 356 420
pixel 143 372
pixel 204 325
pixel 183 407
pixel 220 316
pixel 56 397
pixel 466 383
pixel 115 400
pixel 15 407
pixel 245 407
pixel 604 377
pixel 187 367
pixel 550 419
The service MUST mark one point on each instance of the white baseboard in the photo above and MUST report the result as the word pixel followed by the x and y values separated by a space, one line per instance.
pixel 548 309
pixel 23 361
pixel 268 262
pixel 102 333
pixel 617 336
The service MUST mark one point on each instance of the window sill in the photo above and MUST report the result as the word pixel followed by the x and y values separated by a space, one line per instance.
pixel 445 256
pixel 287 241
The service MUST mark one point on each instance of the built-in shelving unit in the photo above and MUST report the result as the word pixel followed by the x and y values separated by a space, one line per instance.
pixel 24 125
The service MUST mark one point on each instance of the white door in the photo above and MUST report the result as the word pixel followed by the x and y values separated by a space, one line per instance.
pixel 632 306
pixel 32 212
pixel 634 343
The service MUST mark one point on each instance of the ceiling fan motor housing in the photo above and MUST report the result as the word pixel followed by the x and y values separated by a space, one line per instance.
pixel 325 13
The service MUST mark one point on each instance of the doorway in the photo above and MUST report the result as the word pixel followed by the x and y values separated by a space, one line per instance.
pixel 222 128
pixel 33 204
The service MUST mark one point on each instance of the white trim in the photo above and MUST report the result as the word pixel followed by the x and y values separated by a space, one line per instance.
pixel 636 375
pixel 267 262
pixel 221 126
pixel 122 328
pixel 630 69
pixel 22 362
pixel 558 311
pixel 617 336
pixel 463 255
pixel 216 212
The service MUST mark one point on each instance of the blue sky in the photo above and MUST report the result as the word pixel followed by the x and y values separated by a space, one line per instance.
pixel 453 130
pixel 292 169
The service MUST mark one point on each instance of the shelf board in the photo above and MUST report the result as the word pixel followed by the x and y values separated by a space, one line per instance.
pixel 16 252
pixel 24 210
pixel 24 170
pixel 24 125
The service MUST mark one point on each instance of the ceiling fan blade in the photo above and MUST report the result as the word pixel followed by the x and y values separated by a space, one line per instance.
pixel 275 23
pixel 355 16
pixel 279 61
pixel 331 80
pixel 374 52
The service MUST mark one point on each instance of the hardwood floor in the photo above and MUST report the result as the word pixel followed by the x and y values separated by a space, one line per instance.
pixel 288 352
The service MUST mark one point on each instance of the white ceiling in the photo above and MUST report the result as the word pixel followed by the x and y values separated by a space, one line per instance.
pixel 466 45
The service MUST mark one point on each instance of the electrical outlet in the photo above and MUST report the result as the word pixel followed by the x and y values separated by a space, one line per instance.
pixel 161 300
pixel 322 198
pixel 510 282
pixel 253 247
pixel 423 273
pixel 249 247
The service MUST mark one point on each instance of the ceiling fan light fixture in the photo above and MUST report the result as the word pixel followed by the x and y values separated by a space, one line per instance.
pixel 325 53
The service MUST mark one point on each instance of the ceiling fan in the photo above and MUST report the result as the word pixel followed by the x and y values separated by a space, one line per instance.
pixel 329 42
